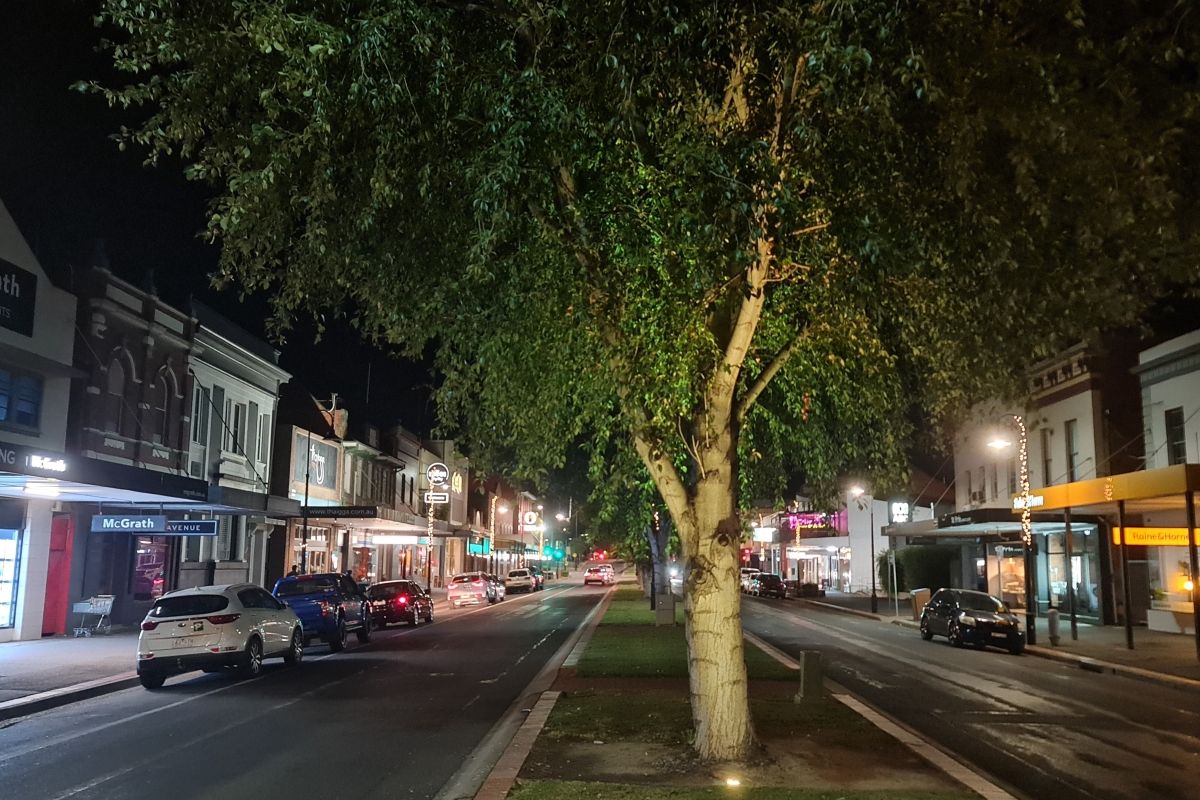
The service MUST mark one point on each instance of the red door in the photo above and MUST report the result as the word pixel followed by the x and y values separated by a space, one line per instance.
pixel 58 575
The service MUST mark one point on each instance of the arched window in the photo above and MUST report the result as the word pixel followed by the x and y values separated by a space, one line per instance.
pixel 164 399
pixel 115 413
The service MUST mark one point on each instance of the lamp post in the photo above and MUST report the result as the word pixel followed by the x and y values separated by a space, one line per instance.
pixel 857 492
pixel 1026 523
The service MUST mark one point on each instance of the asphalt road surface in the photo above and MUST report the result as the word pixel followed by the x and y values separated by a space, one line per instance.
pixel 391 719
pixel 1039 728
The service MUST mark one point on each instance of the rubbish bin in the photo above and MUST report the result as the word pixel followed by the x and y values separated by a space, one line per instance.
pixel 919 598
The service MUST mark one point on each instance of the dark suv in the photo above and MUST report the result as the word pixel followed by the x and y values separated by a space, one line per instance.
pixel 399 601
pixel 975 618
pixel 765 584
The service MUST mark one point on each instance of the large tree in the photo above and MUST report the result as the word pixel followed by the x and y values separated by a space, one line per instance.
pixel 734 239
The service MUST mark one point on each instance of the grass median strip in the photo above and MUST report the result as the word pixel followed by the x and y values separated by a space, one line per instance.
pixel 594 790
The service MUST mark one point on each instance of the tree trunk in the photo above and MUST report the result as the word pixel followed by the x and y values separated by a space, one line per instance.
pixel 712 606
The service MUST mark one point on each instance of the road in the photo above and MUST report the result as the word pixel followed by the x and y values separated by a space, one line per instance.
pixel 1041 728
pixel 391 719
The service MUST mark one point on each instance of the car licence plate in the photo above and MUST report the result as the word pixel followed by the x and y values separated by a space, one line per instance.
pixel 184 641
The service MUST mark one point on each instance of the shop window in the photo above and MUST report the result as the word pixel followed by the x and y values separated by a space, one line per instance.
pixel 10 560
pixel 1176 439
pixel 20 398
pixel 1072 436
pixel 149 567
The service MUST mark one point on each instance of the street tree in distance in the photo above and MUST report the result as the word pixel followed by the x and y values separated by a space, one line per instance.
pixel 718 236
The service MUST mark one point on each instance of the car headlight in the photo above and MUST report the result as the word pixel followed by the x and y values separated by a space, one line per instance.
pixel 966 619
pixel 674 572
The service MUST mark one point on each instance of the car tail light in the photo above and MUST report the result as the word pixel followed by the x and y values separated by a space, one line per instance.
pixel 326 607
pixel 149 625
pixel 222 619
pixel 402 600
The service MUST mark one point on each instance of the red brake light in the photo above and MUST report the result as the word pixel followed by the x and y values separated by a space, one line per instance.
pixel 402 600
pixel 221 619
pixel 149 625
pixel 325 608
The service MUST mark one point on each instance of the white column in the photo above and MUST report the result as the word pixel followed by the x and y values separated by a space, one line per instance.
pixel 35 559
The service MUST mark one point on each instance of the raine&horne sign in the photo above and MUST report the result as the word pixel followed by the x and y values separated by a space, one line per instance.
pixel 18 295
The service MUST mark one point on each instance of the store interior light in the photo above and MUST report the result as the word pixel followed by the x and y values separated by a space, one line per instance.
pixel 42 489
pixel 999 443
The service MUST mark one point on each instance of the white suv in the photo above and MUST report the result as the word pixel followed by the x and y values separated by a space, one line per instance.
pixel 214 627
pixel 519 580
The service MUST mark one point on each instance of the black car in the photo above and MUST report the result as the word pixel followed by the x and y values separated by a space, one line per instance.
pixel 765 584
pixel 399 601
pixel 975 618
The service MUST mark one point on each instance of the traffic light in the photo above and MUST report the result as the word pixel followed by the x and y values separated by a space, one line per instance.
pixel 745 555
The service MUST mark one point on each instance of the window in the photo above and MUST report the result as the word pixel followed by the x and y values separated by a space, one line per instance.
pixel 20 399
pixel 1176 440
pixel 1047 461
pixel 164 397
pixel 982 482
pixel 264 439
pixel 116 397
pixel 995 482
pixel 970 491
pixel 238 443
pixel 1013 488
pixel 201 400
pixel 1072 435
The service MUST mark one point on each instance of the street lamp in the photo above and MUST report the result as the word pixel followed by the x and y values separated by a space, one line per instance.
pixel 857 492
pixel 1000 443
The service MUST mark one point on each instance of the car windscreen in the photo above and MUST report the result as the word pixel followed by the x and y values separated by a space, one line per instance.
pixel 771 579
pixel 594 570
pixel 387 590
pixel 465 578
pixel 311 585
pixel 189 605
pixel 980 602
pixel 518 573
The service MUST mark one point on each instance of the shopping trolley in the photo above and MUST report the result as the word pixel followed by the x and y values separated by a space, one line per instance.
pixel 99 607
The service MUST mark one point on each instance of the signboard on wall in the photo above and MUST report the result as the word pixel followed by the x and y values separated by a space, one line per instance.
pixel 1155 537
pixel 152 525
pixel 321 468
pixel 18 296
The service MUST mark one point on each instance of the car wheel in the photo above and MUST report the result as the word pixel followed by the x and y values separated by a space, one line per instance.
pixel 151 680
pixel 252 659
pixel 926 634
pixel 295 653
pixel 364 633
pixel 338 643
pixel 429 614
pixel 413 620
pixel 954 634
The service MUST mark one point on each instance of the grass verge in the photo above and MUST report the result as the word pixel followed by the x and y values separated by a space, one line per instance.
pixel 557 790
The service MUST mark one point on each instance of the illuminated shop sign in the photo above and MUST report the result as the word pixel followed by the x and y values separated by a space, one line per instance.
pixel 1155 537
pixel 18 296
pixel 152 524
pixel 1035 500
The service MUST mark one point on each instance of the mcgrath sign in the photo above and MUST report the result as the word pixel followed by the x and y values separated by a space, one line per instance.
pixel 124 523
pixel 152 524
pixel 18 296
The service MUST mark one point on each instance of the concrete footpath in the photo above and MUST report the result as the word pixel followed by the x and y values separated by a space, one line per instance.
pixel 1166 657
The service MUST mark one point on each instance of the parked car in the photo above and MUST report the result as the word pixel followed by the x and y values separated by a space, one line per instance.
pixel 519 580
pixel 399 601
pixel 968 617
pixel 539 578
pixel 329 605
pixel 215 627
pixel 470 588
pixel 498 587
pixel 597 575
pixel 766 584
pixel 798 589
pixel 747 574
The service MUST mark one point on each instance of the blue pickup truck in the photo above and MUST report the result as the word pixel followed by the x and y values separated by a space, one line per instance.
pixel 330 607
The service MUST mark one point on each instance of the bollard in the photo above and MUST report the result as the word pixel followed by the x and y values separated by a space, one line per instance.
pixel 1052 625
pixel 812 682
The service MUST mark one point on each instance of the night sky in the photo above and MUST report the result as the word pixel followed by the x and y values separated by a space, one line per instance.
pixel 68 187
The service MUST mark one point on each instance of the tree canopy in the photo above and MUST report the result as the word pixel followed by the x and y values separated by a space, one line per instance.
pixel 736 239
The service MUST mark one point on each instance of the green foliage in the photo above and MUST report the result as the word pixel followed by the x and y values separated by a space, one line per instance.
pixel 883 567
pixel 927 566
pixel 563 200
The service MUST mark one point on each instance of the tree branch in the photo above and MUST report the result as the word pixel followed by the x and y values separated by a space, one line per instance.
pixel 765 377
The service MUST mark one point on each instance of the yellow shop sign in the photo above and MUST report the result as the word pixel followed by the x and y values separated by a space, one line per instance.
pixel 1171 537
